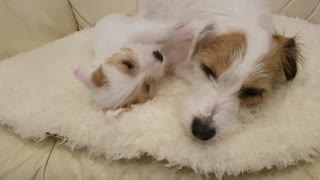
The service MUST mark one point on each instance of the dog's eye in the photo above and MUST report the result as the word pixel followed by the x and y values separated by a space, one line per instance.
pixel 209 73
pixel 147 86
pixel 128 64
pixel 251 92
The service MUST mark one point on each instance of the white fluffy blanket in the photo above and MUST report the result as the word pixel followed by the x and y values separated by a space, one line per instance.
pixel 39 94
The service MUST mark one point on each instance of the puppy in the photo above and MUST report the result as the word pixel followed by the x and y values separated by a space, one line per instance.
pixel 132 54
pixel 235 64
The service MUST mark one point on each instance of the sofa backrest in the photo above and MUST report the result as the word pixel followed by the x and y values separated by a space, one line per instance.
pixel 26 24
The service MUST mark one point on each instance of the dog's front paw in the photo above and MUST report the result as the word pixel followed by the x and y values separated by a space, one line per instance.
pixel 113 113
pixel 183 32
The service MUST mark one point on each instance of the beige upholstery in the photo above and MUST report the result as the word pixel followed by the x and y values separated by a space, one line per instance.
pixel 26 24
pixel 306 9
pixel 29 24
pixel 89 12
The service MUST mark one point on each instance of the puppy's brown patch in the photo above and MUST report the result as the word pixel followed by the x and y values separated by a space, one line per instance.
pixel 125 61
pixel 218 52
pixel 142 94
pixel 98 78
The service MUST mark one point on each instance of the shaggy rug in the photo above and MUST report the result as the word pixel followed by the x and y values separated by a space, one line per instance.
pixel 40 95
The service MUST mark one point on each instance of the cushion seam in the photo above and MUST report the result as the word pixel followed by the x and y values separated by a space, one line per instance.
pixel 74 16
pixel 48 158
pixel 82 17
pixel 308 173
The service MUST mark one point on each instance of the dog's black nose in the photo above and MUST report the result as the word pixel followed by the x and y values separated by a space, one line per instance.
pixel 157 54
pixel 202 130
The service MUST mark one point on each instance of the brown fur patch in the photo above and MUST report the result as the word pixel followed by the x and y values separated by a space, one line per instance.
pixel 278 64
pixel 125 61
pixel 141 95
pixel 282 61
pixel 291 55
pixel 98 78
pixel 218 52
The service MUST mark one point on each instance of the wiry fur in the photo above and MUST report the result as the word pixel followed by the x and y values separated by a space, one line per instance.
pixel 120 38
pixel 245 75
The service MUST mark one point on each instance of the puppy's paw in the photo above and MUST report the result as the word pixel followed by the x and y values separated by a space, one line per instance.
pixel 113 113
pixel 140 37
pixel 183 32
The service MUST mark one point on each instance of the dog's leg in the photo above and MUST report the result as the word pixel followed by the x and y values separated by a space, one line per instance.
pixel 113 113
pixel 164 34
pixel 179 44
pixel 152 36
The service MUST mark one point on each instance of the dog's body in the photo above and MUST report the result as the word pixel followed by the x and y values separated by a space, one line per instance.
pixel 132 54
pixel 236 63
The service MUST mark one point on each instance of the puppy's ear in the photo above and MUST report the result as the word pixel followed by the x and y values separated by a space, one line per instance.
pixel 290 53
pixel 90 75
pixel 206 34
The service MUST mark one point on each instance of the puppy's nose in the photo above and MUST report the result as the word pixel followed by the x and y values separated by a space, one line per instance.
pixel 202 130
pixel 158 55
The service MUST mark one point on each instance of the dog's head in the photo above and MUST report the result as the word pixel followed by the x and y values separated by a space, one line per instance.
pixel 239 70
pixel 133 62
pixel 125 78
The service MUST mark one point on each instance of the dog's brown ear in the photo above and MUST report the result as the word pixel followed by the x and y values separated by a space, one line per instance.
pixel 290 55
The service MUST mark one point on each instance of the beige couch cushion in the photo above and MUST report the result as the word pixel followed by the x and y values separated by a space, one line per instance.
pixel 88 12
pixel 31 23
pixel 24 159
pixel 20 159
pixel 306 9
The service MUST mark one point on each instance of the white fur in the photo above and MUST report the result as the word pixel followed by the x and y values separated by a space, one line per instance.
pixel 112 114
pixel 219 96
pixel 39 94
pixel 142 36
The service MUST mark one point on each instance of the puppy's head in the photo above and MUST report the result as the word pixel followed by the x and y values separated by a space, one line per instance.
pixel 125 78
pixel 239 70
